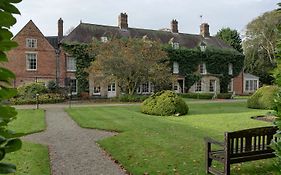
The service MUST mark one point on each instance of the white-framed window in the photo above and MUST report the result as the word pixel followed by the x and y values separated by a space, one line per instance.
pixel 251 85
pixel 175 67
pixel 73 85
pixel 31 61
pixel 202 68
pixel 71 64
pixel 175 45
pixel 230 69
pixel 145 88
pixel 104 39
pixel 198 86
pixel 111 87
pixel 212 86
pixel 31 43
pixel 230 86
pixel 96 90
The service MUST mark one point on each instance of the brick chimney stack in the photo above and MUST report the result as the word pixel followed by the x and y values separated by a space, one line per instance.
pixel 174 26
pixel 204 30
pixel 123 21
pixel 60 29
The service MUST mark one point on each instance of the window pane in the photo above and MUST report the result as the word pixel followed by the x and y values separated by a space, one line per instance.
pixel 31 61
pixel 71 64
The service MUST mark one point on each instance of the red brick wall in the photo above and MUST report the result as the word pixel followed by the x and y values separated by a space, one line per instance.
pixel 238 84
pixel 46 57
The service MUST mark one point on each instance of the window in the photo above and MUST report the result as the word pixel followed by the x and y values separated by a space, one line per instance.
pixel 198 86
pixel 175 45
pixel 212 86
pixel 145 88
pixel 104 39
pixel 202 68
pixel 230 69
pixel 31 61
pixel 73 86
pixel 251 85
pixel 230 86
pixel 31 43
pixel 96 90
pixel 111 87
pixel 175 67
pixel 203 47
pixel 71 64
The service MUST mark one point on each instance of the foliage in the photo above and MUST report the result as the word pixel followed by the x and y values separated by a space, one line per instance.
pixel 164 103
pixel 132 98
pixel 31 89
pixel 42 99
pixel 130 62
pixel 216 60
pixel 52 86
pixel 259 45
pixel 83 60
pixel 263 98
pixel 224 95
pixel 231 37
pixel 170 145
pixel 198 95
pixel 8 141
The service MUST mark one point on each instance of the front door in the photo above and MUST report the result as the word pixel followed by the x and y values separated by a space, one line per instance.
pixel 111 92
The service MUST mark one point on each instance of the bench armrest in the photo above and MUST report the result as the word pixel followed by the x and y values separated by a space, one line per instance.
pixel 211 140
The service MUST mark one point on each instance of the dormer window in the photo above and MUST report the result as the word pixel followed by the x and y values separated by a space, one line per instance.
pixel 176 45
pixel 203 47
pixel 202 68
pixel 31 43
pixel 175 67
pixel 230 69
pixel 104 39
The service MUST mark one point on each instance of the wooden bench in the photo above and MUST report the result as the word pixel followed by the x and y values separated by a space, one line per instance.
pixel 240 146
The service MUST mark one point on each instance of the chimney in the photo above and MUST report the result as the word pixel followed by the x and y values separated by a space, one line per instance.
pixel 174 26
pixel 60 29
pixel 123 21
pixel 204 30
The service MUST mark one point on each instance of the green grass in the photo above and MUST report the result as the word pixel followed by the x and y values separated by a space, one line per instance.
pixel 29 121
pixel 31 159
pixel 170 145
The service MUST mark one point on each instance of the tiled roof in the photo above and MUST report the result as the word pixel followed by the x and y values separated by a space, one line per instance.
pixel 53 40
pixel 85 33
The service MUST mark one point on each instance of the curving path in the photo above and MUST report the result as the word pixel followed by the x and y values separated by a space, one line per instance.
pixel 73 150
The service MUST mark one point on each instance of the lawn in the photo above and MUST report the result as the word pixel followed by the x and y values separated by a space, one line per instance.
pixel 170 145
pixel 32 159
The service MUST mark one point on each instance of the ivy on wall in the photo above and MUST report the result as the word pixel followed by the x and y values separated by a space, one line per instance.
pixel 83 61
pixel 216 60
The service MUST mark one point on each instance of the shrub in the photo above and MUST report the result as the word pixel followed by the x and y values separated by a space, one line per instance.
pixel 44 98
pixel 31 89
pixel 164 103
pixel 224 95
pixel 132 98
pixel 198 95
pixel 263 98
pixel 52 86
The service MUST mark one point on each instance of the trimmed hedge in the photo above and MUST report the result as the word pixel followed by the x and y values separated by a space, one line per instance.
pixel 263 98
pixel 42 99
pixel 224 95
pixel 132 98
pixel 198 95
pixel 164 103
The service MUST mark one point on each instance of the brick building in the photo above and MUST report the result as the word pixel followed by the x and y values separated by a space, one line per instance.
pixel 39 58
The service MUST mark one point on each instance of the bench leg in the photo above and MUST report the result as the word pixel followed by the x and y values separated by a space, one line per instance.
pixel 208 161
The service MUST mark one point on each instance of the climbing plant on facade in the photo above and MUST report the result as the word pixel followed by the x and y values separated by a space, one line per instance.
pixel 8 141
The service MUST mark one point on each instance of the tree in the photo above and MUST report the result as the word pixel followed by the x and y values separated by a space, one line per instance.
pixel 131 62
pixel 8 141
pixel 231 37
pixel 259 45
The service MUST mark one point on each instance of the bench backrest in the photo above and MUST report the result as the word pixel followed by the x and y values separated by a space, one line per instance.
pixel 250 141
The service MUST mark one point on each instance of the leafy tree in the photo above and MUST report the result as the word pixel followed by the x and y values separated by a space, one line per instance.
pixel 131 62
pixel 8 141
pixel 232 37
pixel 259 45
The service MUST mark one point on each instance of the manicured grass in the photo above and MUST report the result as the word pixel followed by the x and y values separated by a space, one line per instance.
pixel 29 121
pixel 31 159
pixel 170 145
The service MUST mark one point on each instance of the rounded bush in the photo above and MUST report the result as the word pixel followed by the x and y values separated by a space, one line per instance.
pixel 263 98
pixel 31 89
pixel 164 103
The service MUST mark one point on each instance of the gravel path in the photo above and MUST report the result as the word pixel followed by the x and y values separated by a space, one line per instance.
pixel 73 150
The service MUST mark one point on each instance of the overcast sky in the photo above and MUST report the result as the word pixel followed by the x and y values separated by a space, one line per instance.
pixel 150 14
